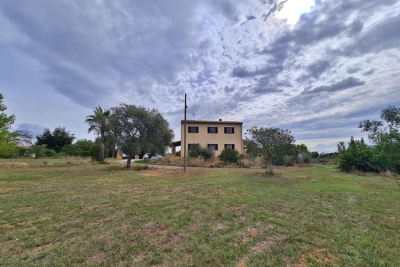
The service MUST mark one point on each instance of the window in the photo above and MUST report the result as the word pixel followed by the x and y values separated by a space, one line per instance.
pixel 193 129
pixel 192 146
pixel 230 146
pixel 229 130
pixel 212 130
pixel 212 146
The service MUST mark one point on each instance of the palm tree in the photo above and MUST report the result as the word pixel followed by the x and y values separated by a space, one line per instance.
pixel 99 123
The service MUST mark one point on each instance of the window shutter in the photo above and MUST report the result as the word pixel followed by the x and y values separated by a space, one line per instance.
pixel 233 130
pixel 208 129
pixel 225 130
pixel 197 129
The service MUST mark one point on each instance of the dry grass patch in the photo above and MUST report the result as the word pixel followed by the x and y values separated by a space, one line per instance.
pixel 319 256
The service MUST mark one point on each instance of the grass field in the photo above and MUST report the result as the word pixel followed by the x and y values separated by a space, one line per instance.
pixel 98 215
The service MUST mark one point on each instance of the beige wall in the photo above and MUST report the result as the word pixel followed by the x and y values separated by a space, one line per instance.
pixel 204 138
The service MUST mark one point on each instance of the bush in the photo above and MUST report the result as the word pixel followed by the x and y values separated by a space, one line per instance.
pixel 278 160
pixel 94 152
pixel 50 153
pixel 201 152
pixel 307 158
pixel 289 160
pixel 355 156
pixel 229 155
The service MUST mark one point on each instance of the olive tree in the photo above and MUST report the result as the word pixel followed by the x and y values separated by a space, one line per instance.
pixel 389 125
pixel 268 142
pixel 140 129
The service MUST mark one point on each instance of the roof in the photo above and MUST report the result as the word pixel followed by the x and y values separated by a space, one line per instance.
pixel 212 122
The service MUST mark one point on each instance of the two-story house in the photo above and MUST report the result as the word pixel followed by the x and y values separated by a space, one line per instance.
pixel 215 135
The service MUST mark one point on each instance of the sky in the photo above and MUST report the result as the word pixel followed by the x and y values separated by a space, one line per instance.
pixel 315 68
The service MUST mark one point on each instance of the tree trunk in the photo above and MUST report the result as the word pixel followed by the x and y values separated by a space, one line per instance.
pixel 101 156
pixel 270 165
pixel 128 162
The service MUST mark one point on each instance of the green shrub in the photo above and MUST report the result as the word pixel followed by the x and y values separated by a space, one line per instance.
pixel 94 152
pixel 289 160
pixel 50 153
pixel 199 151
pixel 355 156
pixel 307 157
pixel 229 155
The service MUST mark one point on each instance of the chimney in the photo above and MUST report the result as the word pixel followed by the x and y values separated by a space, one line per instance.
pixel 220 119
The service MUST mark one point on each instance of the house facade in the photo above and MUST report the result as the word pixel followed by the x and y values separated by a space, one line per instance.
pixel 215 135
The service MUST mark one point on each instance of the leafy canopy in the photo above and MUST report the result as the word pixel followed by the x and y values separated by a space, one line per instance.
pixel 269 142
pixel 99 122
pixel 389 124
pixel 140 129
pixel 8 139
pixel 55 140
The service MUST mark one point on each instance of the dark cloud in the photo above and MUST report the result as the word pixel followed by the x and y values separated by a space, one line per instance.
pixel 353 70
pixel 228 89
pixel 241 72
pixel 382 36
pixel 370 72
pixel 275 7
pixel 339 86
pixel 355 27
pixel 316 69
pixel 260 89
pixel 33 128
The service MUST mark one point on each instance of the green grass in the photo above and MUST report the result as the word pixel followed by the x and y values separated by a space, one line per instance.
pixel 100 215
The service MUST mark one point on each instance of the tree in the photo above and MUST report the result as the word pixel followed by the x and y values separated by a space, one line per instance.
pixel 390 123
pixel 383 155
pixel 99 123
pixel 139 129
pixel 387 152
pixel 55 140
pixel 10 139
pixel 355 157
pixel 269 142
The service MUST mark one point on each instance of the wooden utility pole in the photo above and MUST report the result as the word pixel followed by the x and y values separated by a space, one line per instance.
pixel 184 140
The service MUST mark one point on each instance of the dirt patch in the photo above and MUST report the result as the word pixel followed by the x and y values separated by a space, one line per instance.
pixel 157 232
pixel 39 249
pixel 372 186
pixel 150 174
pixel 266 244
pixel 6 190
pixel 319 255
pixel 19 165
pixel 111 217
pixel 8 226
pixel 97 257
pixel 218 226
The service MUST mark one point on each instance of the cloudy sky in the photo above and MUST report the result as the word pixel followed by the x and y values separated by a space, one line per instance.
pixel 314 68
